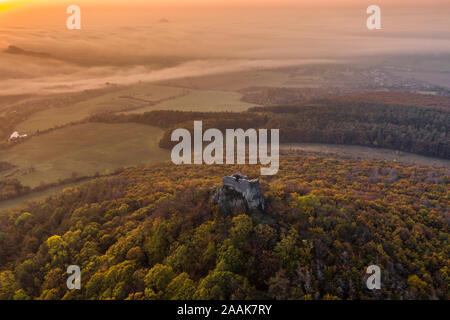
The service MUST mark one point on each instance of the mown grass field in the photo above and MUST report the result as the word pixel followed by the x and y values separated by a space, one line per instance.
pixel 203 101
pixel 83 149
pixel 125 98
pixel 235 81
pixel 207 93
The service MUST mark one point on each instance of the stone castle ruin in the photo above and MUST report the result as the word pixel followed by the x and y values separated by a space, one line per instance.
pixel 239 192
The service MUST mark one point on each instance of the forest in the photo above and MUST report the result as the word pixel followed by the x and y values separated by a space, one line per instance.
pixel 288 95
pixel 411 129
pixel 11 188
pixel 153 232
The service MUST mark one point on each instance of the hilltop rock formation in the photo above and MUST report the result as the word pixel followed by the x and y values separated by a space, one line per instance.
pixel 239 193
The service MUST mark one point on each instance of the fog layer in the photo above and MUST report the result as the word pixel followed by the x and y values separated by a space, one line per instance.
pixel 157 45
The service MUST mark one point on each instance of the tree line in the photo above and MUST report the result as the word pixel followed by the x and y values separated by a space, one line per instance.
pixel 412 129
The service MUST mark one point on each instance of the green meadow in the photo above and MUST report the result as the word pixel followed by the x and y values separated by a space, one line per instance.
pixel 124 98
pixel 83 150
pixel 202 101
pixel 235 81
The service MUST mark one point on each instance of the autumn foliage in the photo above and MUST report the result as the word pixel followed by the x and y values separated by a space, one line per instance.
pixel 153 233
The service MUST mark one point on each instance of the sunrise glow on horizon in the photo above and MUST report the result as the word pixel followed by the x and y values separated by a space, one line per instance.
pixel 33 13
pixel 7 4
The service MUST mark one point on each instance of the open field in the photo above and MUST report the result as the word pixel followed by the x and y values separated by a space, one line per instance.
pixel 124 98
pixel 356 76
pixel 7 101
pixel 83 149
pixel 219 92
pixel 37 195
pixel 202 101
pixel 365 153
pixel 236 81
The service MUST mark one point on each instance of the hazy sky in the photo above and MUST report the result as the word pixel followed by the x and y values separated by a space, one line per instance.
pixel 120 41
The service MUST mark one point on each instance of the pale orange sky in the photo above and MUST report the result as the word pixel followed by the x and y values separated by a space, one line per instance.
pixel 8 3
pixel 25 12
pixel 122 41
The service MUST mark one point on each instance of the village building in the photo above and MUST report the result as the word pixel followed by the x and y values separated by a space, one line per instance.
pixel 17 136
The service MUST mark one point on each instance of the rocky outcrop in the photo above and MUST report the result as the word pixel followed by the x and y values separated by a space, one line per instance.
pixel 239 193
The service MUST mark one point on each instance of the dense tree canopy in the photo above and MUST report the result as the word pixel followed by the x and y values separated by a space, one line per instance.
pixel 154 233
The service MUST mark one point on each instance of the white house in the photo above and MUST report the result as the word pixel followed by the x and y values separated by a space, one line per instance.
pixel 16 136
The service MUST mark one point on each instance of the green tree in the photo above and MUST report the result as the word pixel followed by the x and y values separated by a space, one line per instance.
pixel 8 285
pixel 288 251
pixel 157 280
pixel 181 288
